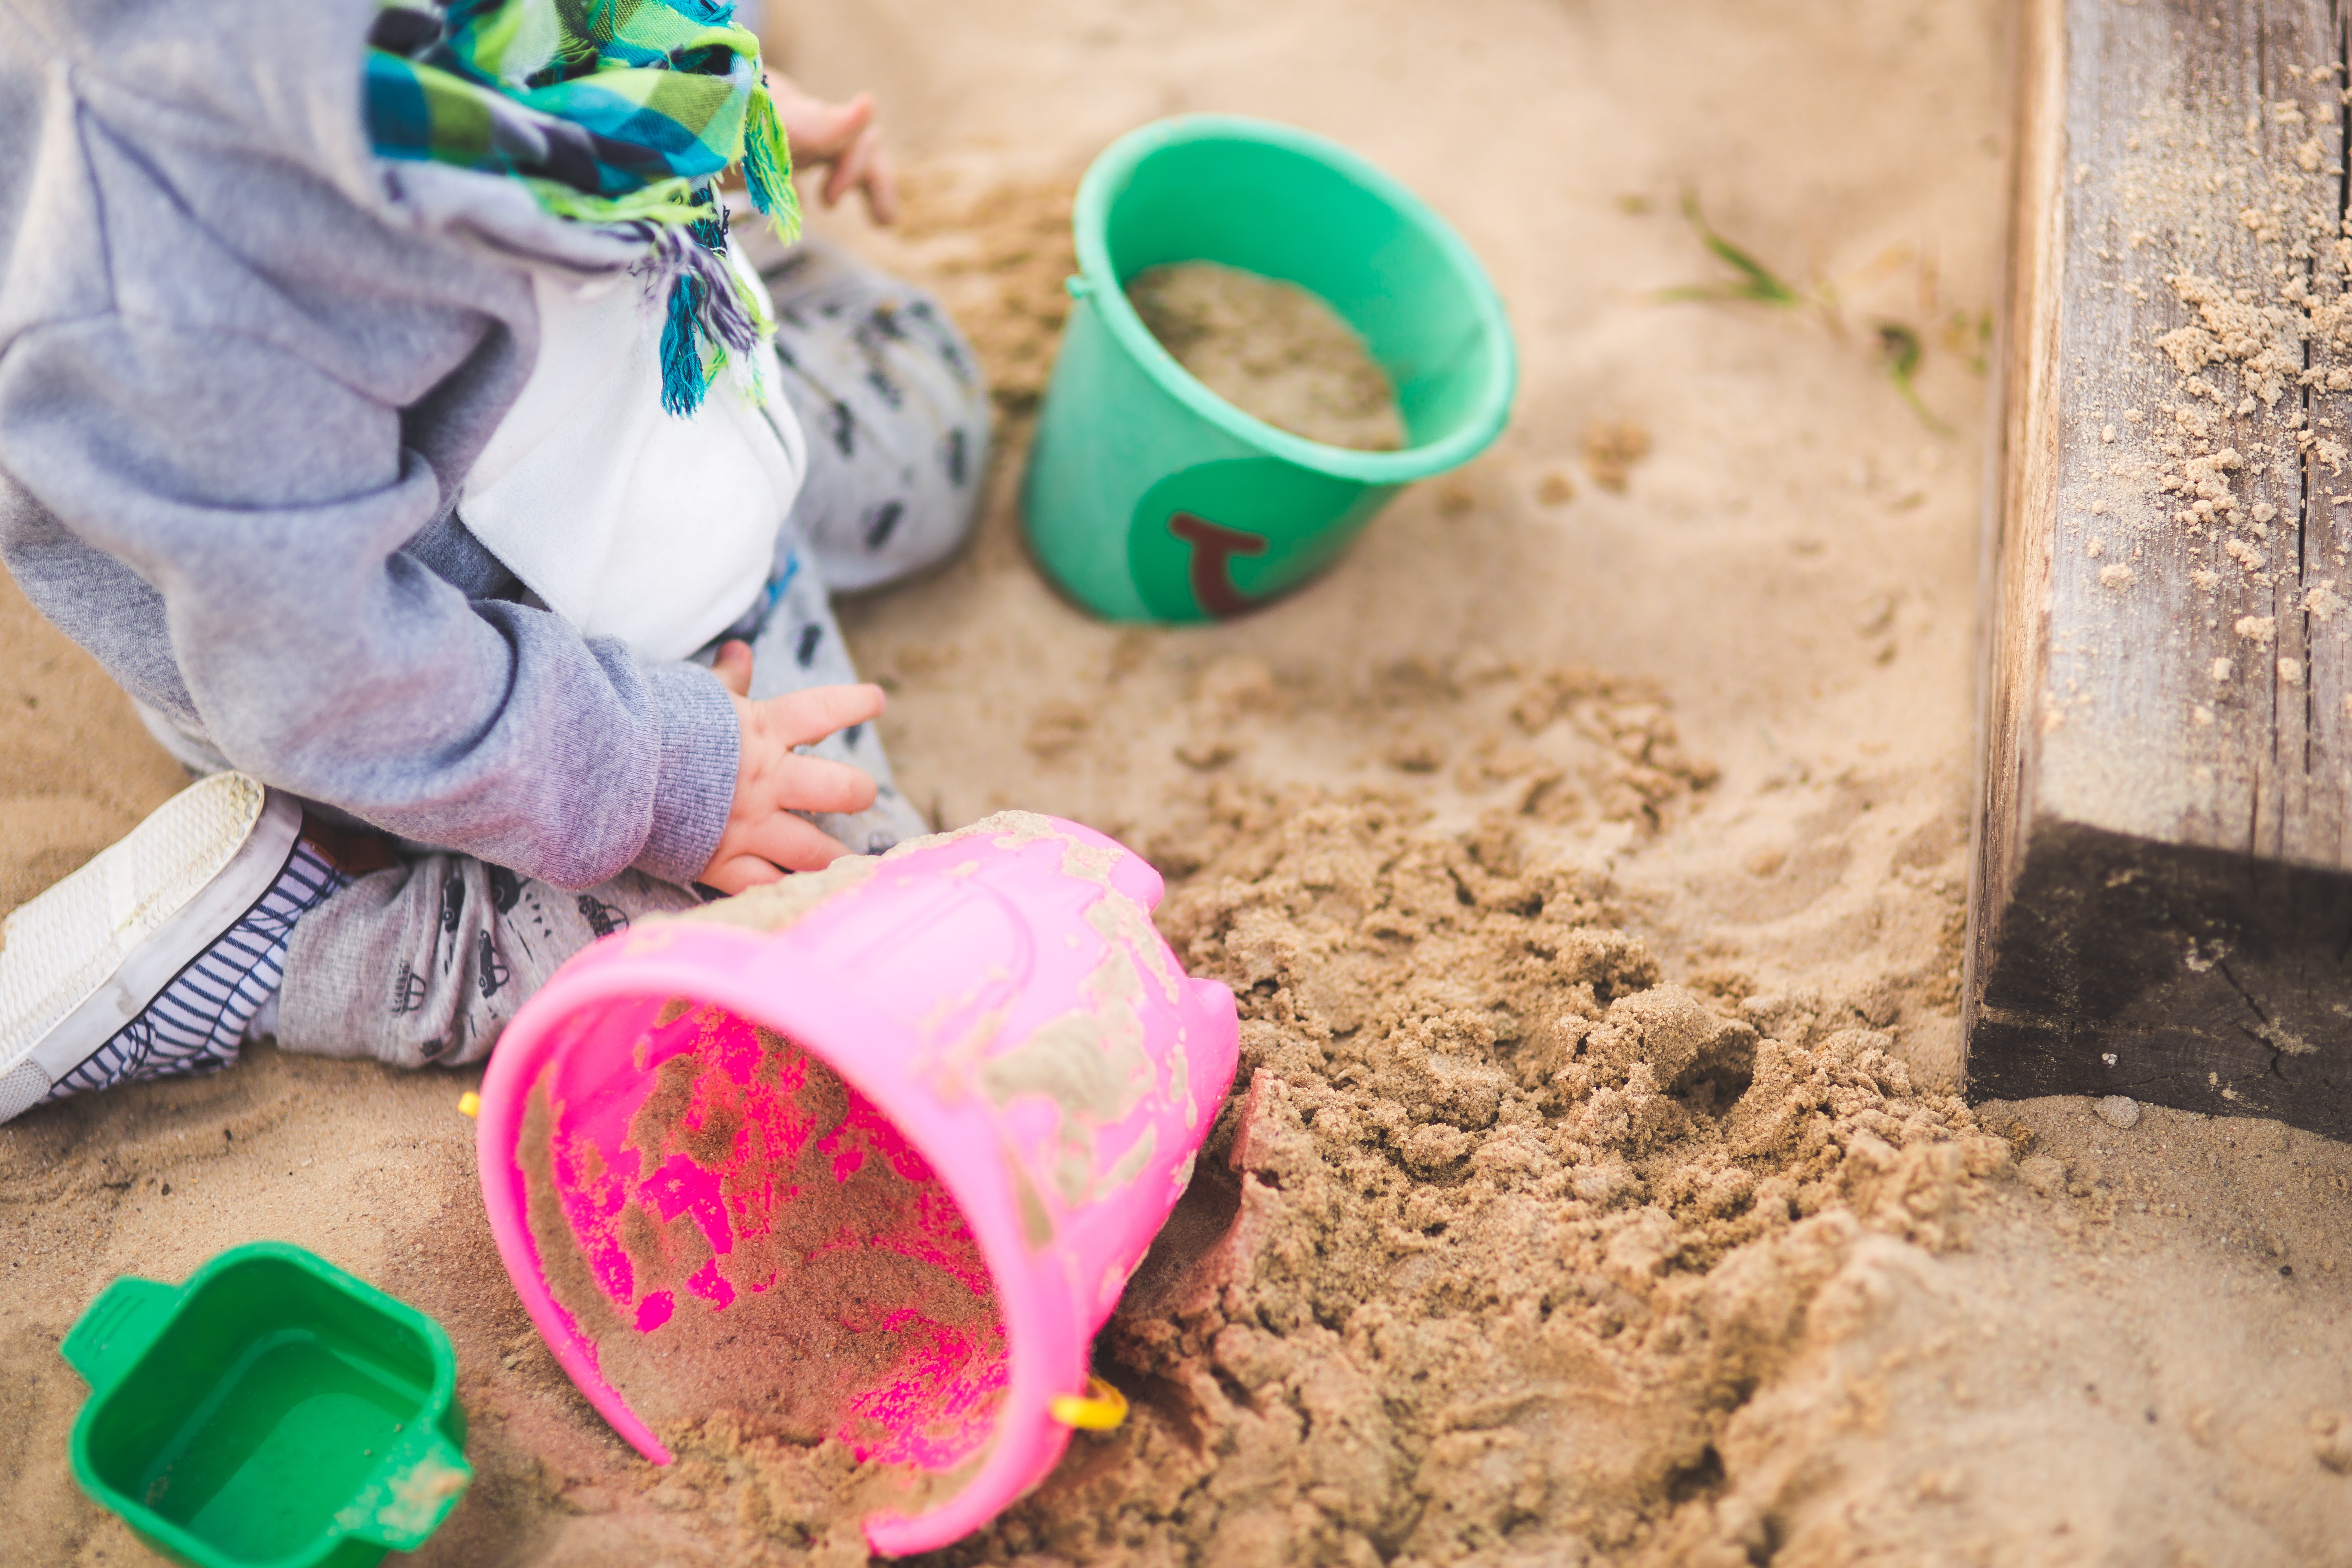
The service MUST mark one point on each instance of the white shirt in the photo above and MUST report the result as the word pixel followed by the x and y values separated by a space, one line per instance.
pixel 626 520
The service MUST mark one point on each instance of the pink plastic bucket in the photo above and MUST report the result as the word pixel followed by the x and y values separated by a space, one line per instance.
pixel 1024 1075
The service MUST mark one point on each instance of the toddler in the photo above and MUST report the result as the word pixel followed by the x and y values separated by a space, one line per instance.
pixel 392 401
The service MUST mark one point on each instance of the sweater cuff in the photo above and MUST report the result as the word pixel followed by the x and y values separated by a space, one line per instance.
pixel 700 744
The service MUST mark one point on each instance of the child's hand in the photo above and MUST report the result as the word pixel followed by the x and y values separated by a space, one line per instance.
pixel 763 839
pixel 841 138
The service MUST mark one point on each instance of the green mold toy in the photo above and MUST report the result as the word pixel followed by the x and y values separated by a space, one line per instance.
pixel 272 1411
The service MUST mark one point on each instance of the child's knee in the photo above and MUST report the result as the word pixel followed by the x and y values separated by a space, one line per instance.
pixel 897 415
pixel 424 965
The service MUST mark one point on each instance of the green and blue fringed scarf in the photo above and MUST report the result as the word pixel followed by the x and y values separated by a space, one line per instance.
pixel 617 113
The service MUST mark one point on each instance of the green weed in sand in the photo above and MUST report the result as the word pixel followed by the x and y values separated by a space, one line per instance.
pixel 1757 283
pixel 1899 346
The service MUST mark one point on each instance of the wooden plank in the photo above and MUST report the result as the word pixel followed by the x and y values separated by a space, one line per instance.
pixel 2162 901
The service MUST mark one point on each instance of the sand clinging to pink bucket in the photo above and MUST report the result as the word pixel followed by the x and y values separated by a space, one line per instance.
pixel 750 1178
pixel 866 1158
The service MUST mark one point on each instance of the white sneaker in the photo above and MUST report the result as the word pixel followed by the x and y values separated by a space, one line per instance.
pixel 83 961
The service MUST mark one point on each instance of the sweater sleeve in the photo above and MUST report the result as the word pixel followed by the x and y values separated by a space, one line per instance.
pixel 267 503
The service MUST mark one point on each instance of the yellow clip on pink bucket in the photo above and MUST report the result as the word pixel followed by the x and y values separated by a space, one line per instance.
pixel 968 1076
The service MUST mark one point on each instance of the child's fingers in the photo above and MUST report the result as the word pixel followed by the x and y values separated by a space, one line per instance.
pixel 792 843
pixel 882 190
pixel 819 784
pixel 733 668
pixel 854 124
pixel 851 170
pixel 804 718
pixel 819 132
pixel 740 874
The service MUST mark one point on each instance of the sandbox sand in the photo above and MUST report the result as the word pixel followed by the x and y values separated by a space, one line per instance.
pixel 831 1279
pixel 1587 850
pixel 1272 350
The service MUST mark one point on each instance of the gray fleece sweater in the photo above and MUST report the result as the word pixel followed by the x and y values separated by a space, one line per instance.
pixel 244 367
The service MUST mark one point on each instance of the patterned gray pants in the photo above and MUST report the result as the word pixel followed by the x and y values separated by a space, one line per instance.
pixel 426 960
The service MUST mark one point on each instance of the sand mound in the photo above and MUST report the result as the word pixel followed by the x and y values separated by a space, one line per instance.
pixel 1511 1221
pixel 1272 350
pixel 1489 1243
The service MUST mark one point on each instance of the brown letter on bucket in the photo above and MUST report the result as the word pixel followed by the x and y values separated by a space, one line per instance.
pixel 1213 548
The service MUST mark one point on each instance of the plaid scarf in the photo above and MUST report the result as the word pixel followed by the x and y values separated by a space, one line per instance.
pixel 617 113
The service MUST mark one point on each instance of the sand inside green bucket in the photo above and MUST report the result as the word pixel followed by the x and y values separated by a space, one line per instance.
pixel 1272 350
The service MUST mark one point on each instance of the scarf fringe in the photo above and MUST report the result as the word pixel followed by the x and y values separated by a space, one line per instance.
pixel 768 165
pixel 706 305
pixel 683 384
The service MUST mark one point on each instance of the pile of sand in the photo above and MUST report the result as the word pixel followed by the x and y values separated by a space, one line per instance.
pixel 1589 851
pixel 1272 350
pixel 842 1269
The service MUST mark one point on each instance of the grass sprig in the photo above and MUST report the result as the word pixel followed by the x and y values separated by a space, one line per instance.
pixel 1757 283
pixel 1900 350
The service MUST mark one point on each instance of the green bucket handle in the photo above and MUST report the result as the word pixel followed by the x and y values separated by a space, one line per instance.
pixel 117 1327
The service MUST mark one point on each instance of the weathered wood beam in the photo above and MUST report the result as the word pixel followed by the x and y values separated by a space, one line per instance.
pixel 2162 898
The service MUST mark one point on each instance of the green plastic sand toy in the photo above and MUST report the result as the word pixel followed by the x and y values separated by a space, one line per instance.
pixel 1149 498
pixel 272 1410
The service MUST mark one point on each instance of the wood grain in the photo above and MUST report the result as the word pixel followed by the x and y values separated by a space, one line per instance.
pixel 2161 905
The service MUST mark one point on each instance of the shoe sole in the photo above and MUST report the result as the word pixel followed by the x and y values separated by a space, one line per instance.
pixel 87 956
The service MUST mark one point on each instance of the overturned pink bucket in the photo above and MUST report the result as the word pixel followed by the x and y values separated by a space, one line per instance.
pixel 1024 1075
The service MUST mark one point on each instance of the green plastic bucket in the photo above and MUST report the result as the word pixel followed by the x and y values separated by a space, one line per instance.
pixel 1151 499
pixel 272 1411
